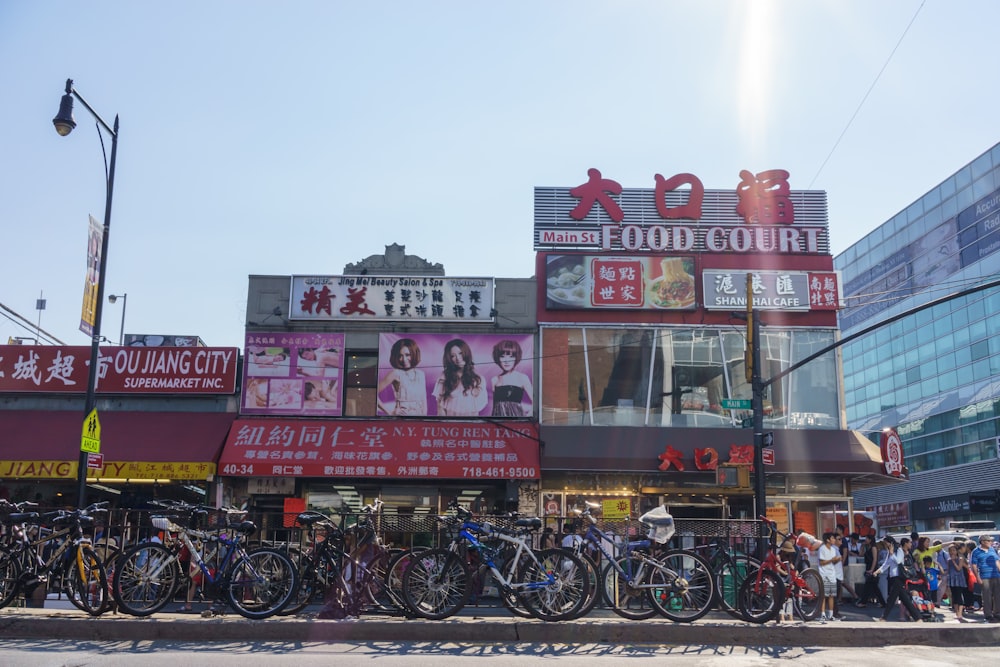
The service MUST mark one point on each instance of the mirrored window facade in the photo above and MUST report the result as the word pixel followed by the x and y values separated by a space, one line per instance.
pixel 933 375
pixel 684 377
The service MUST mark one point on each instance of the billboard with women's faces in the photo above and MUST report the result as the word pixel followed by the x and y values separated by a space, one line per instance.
pixel 445 375
pixel 293 374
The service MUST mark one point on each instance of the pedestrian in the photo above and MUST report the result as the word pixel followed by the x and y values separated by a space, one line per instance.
pixel 898 564
pixel 984 565
pixel 842 584
pixel 828 556
pixel 958 582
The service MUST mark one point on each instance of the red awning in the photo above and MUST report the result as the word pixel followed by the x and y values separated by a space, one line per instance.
pixel 387 449
pixel 137 445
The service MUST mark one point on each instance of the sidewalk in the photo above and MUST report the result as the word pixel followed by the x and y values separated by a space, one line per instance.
pixel 494 625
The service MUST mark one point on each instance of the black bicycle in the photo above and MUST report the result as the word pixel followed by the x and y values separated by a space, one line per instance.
pixel 70 563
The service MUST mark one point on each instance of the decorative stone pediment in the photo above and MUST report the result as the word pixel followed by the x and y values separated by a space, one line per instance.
pixel 395 261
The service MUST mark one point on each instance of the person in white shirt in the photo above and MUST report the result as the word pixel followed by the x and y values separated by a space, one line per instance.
pixel 828 557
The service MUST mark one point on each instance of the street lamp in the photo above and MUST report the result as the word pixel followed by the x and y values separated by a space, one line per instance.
pixel 124 297
pixel 64 124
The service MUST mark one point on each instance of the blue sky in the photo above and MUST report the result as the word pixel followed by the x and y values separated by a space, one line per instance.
pixel 288 138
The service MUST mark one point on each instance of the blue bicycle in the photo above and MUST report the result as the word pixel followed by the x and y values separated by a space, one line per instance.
pixel 551 584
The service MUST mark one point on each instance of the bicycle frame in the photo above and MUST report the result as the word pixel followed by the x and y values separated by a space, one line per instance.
pixel 468 533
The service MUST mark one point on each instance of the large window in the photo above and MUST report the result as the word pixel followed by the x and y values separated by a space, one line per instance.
pixel 682 376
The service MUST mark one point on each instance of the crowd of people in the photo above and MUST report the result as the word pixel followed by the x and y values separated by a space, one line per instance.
pixel 914 573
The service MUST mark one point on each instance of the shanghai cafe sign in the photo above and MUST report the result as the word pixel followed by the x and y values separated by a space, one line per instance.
pixel 762 215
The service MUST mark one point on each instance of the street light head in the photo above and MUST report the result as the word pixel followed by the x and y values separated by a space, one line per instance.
pixel 64 119
pixel 112 298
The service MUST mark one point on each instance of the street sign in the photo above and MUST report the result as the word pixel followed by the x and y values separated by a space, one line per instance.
pixel 736 404
pixel 95 461
pixel 768 456
pixel 769 439
pixel 91 439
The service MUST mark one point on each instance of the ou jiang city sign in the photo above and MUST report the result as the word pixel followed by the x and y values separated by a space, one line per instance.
pixel 762 215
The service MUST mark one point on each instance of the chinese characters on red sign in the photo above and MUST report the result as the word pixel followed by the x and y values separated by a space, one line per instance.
pixel 763 198
pixel 300 448
pixel 124 370
pixel 706 458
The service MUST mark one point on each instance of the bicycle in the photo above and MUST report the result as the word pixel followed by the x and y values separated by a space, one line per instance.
pixel 550 583
pixel 73 565
pixel 344 567
pixel 763 595
pixel 642 579
pixel 730 568
pixel 257 583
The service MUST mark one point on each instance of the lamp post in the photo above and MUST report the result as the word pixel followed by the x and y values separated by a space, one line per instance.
pixel 124 297
pixel 64 124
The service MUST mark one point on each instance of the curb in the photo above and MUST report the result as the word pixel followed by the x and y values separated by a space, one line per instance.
pixel 476 629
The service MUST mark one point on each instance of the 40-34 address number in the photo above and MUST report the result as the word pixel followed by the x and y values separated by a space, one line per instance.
pixel 237 469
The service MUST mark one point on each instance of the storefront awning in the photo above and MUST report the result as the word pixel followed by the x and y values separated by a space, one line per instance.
pixel 44 444
pixel 686 450
pixel 381 449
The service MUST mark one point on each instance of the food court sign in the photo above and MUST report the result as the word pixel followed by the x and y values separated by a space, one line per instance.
pixel 762 215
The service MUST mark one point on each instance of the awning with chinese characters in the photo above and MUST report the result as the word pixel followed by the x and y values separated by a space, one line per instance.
pixel 44 444
pixel 389 449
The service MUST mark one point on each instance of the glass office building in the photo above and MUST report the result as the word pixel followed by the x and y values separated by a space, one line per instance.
pixel 933 375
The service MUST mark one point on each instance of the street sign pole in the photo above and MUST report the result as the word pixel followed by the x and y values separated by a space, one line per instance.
pixel 757 407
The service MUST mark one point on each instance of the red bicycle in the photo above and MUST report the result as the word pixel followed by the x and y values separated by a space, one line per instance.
pixel 762 596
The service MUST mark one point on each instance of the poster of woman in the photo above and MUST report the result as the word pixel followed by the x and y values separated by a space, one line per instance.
pixel 445 375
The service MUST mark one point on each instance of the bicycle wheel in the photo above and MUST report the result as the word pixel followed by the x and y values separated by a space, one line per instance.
pixel 310 581
pixel 729 576
pixel 10 577
pixel 594 578
pixel 394 578
pixel 260 583
pixel 380 597
pixel 557 584
pixel 761 597
pixel 622 592
pixel 807 599
pixel 145 579
pixel 109 554
pixel 86 581
pixel 683 587
pixel 436 584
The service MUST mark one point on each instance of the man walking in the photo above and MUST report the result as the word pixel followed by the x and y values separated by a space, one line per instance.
pixel 983 562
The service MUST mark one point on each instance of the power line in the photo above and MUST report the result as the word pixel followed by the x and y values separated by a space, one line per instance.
pixel 863 99
pixel 24 323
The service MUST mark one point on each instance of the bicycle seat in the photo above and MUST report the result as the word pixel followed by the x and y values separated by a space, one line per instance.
pixel 310 518
pixel 19 517
pixel 532 523
pixel 245 527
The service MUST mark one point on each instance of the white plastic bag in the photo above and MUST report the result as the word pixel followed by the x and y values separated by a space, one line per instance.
pixel 661 524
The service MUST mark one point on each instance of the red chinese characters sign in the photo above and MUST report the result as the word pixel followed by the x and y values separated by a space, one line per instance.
pixel 762 214
pixel 380 449
pixel 706 458
pixel 121 370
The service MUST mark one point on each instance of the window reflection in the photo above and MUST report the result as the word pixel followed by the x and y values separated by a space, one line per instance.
pixel 681 377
